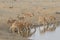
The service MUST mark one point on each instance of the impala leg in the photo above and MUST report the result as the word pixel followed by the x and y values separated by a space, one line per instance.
pixel 27 29
pixel 18 31
pixel 54 26
pixel 12 29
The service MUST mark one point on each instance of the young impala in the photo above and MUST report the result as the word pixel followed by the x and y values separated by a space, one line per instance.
pixel 43 21
pixel 51 21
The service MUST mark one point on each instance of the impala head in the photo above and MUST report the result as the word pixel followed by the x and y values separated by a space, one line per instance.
pixel 28 14
pixel 10 21
pixel 20 17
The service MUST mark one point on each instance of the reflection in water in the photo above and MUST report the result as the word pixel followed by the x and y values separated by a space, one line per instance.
pixel 37 35
pixel 41 30
pixel 51 27
pixel 35 32
pixel 28 33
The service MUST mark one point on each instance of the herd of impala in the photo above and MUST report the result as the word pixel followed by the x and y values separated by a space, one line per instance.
pixel 23 27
